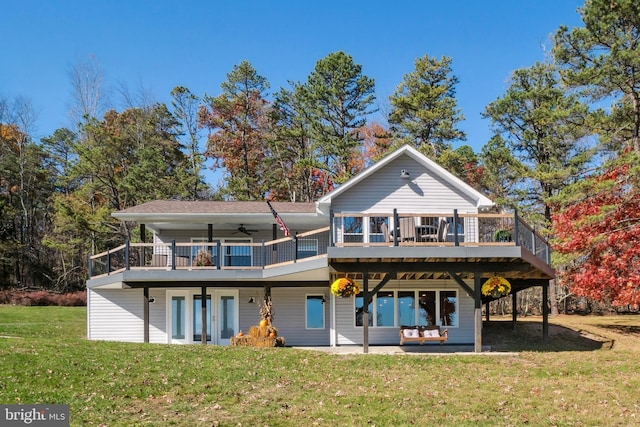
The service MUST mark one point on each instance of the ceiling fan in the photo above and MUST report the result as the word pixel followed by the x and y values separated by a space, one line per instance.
pixel 243 229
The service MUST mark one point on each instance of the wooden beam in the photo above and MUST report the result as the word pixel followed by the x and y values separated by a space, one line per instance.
pixel 387 277
pixel 462 283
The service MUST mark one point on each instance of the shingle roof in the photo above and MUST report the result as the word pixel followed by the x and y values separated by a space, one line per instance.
pixel 217 207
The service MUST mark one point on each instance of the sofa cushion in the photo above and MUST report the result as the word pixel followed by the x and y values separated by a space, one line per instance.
pixel 411 333
pixel 429 333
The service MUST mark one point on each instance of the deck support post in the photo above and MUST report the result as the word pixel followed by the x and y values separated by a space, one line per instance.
pixel 514 309
pixel 545 312
pixel 477 281
pixel 365 312
pixel 145 312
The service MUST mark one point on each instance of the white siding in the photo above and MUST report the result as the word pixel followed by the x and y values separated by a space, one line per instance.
pixel 158 316
pixel 386 190
pixel 348 333
pixel 290 316
pixel 115 315
pixel 249 313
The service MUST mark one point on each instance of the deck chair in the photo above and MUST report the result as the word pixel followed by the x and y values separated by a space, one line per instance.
pixel 440 234
pixel 385 232
pixel 407 229
pixel 158 260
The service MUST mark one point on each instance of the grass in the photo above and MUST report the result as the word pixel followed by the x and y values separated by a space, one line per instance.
pixel 585 376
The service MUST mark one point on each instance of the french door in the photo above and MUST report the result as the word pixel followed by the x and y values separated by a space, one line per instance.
pixel 184 316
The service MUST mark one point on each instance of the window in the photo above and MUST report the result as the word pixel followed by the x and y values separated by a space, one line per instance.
pixel 375 228
pixel 385 309
pixel 360 310
pixel 315 311
pixel 448 308
pixel 427 313
pixel 307 248
pixel 177 317
pixel 237 256
pixel 398 308
pixel 406 308
pixel 352 229
pixel 197 317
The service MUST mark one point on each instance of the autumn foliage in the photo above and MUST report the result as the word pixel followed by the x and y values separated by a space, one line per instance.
pixel 599 236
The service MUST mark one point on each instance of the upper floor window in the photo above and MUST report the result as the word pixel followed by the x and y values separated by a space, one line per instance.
pixel 352 226
pixel 375 228
pixel 307 248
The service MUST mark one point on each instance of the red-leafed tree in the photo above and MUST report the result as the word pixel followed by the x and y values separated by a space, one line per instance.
pixel 598 237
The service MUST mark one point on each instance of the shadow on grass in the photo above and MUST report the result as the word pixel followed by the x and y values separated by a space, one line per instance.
pixel 527 336
pixel 623 329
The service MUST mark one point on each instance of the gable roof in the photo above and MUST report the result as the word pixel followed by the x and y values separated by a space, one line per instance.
pixel 406 150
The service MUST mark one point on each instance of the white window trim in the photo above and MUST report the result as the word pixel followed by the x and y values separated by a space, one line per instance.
pixel 374 311
pixel 306 314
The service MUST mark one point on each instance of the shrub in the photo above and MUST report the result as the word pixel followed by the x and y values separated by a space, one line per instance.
pixel 43 298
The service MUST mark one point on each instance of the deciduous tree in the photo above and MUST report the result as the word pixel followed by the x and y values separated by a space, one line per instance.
pixel 185 109
pixel 598 235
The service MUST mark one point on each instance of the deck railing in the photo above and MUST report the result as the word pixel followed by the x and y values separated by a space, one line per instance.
pixel 345 229
pixel 443 229
pixel 210 255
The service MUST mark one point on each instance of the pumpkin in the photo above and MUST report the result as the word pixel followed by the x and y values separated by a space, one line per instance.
pixel 272 334
pixel 240 334
pixel 264 323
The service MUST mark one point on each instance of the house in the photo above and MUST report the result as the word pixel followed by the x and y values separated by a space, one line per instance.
pixel 418 241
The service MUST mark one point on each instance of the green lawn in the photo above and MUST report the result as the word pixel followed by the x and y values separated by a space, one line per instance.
pixel 586 376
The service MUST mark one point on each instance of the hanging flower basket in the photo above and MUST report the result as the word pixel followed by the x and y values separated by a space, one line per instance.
pixel 344 287
pixel 496 287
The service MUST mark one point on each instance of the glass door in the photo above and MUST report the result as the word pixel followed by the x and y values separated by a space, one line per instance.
pixel 197 318
pixel 226 319
pixel 178 329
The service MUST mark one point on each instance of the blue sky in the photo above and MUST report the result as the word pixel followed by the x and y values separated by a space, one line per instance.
pixel 162 44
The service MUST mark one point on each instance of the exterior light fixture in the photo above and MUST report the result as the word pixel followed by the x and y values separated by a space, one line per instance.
pixel 404 174
pixel 252 300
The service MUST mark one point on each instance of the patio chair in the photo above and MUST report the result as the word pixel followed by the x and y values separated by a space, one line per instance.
pixel 440 234
pixel 407 229
pixel 385 232
pixel 158 260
